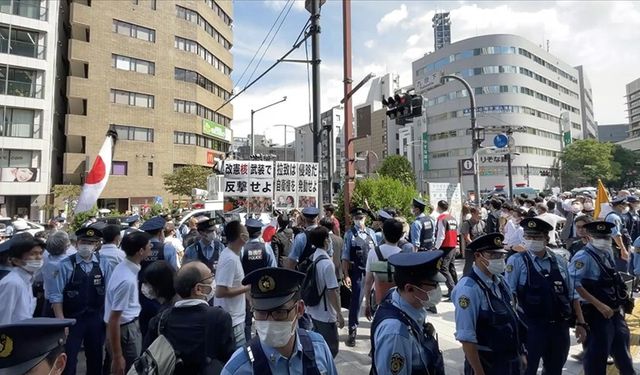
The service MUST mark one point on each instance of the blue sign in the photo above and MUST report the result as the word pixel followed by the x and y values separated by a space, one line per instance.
pixel 157 200
pixel 501 140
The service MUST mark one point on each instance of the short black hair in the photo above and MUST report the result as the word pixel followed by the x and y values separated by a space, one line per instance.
pixel 392 230
pixel 496 204
pixel 232 230
pixel 443 205
pixel 254 232
pixel 133 242
pixel 317 236
pixel 551 205
pixel 186 280
pixel 110 233
pixel 327 223
pixel 586 218
pixel 283 221
pixel 23 243
pixel 160 276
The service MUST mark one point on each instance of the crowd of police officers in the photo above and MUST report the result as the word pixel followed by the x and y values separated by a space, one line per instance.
pixel 514 306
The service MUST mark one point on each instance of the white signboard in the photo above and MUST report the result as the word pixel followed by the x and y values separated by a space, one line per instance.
pixel 286 185
pixel 451 193
pixel 248 184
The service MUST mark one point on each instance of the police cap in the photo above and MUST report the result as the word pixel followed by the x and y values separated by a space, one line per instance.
pixel 357 211
pixel 618 201
pixel 384 215
pixel 310 212
pixel 153 224
pixel 26 343
pixel 632 199
pixel 419 203
pixel 272 287
pixel 423 265
pixel 253 224
pixel 89 233
pixel 132 219
pixel 599 228
pixel 488 242
pixel 535 225
pixel 205 223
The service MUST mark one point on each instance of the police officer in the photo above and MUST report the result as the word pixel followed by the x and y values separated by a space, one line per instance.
pixel 5 265
pixel 401 341
pixel 33 346
pixel 134 224
pixel 208 247
pixel 632 219
pixel 388 214
pixel 605 299
pixel 540 279
pixel 621 239
pixel 422 233
pixel 78 292
pixel 279 348
pixel 487 324
pixel 358 241
pixel 255 255
pixel 301 250
pixel 159 249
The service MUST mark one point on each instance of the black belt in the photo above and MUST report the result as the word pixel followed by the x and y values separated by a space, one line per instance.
pixel 129 322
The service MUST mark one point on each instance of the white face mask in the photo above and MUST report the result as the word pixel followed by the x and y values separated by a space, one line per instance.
pixel 625 210
pixel 32 266
pixel 535 246
pixel 360 223
pixel 495 266
pixel 147 291
pixel 85 250
pixel 274 333
pixel 433 297
pixel 212 292
pixel 602 244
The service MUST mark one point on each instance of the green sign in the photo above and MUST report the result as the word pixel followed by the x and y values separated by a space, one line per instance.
pixel 213 129
pixel 425 152
pixel 567 138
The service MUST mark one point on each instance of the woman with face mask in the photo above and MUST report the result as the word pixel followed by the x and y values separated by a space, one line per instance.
pixel 279 346
pixel 540 279
pixel 487 324
pixel 402 342
pixel 157 286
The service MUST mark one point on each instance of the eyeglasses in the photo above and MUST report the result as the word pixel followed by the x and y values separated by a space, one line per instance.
pixel 276 314
pixel 205 279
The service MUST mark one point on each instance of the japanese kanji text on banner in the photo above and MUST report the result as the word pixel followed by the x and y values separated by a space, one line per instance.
pixel 248 184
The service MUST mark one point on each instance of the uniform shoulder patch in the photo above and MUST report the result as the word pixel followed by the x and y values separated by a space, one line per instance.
pixel 464 302
pixel 509 267
pixel 579 265
pixel 396 363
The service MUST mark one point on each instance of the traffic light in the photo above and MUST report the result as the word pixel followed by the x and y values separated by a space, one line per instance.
pixel 403 107
pixel 545 173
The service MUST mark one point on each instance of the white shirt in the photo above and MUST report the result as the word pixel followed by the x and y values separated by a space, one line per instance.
pixel 229 273
pixel 552 219
pixel 112 254
pixel 177 244
pixel 513 234
pixel 122 292
pixel 440 229
pixel 325 277
pixel 16 294
pixel 386 250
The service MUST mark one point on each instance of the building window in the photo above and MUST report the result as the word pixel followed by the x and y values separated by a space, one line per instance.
pixel 195 77
pixel 150 169
pixel 189 45
pixel 221 13
pixel 133 133
pixel 21 42
pixel 154 4
pixel 134 31
pixel 193 108
pixel 119 168
pixel 20 123
pixel 20 82
pixel 24 8
pixel 184 138
pixel 195 17
pixel 19 158
pixel 132 64
pixel 135 99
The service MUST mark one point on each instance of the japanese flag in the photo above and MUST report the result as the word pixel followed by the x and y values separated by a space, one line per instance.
pixel 98 175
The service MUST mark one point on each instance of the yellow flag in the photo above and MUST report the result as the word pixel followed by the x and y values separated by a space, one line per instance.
pixel 602 201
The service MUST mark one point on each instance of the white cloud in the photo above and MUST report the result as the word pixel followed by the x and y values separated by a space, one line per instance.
pixel 392 19
pixel 413 39
pixel 279 4
pixel 370 43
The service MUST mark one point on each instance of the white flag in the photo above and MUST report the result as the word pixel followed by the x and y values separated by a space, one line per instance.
pixel 98 176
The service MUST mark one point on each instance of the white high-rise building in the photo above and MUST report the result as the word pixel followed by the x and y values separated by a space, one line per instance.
pixel 32 73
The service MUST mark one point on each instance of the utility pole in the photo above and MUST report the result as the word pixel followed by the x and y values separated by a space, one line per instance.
pixel 349 155
pixel 509 171
pixel 314 9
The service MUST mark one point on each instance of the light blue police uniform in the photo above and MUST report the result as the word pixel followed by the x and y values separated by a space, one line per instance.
pixel 416 229
pixel 583 266
pixel 299 243
pixel 65 270
pixel 516 271
pixel 50 269
pixel 615 219
pixel 170 253
pixel 191 252
pixel 635 266
pixel 269 250
pixel 392 338
pixel 346 247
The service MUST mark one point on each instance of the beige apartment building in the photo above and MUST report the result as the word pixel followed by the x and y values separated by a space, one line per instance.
pixel 155 71
pixel 372 137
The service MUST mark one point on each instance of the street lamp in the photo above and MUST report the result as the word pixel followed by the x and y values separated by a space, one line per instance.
pixel 477 133
pixel 285 137
pixel 253 111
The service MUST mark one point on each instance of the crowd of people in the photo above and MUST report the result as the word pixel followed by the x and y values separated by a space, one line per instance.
pixel 217 297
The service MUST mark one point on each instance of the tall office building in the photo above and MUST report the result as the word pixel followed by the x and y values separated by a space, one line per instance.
pixel 441 30
pixel 155 71
pixel 633 108
pixel 589 126
pixel 516 84
pixel 30 141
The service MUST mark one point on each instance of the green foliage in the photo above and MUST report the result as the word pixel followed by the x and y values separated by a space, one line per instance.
pixel 399 168
pixel 154 210
pixel 584 161
pixel 77 220
pixel 384 192
pixel 184 180
pixel 625 165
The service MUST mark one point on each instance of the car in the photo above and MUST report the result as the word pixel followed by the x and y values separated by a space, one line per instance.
pixel 33 228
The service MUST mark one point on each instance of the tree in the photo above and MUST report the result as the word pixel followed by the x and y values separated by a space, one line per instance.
pixel 626 166
pixel 584 161
pixel 182 181
pixel 399 168
pixel 384 192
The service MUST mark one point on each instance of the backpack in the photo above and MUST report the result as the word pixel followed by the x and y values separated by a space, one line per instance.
pixel 160 358
pixel 309 288
pixel 382 268
pixel 305 259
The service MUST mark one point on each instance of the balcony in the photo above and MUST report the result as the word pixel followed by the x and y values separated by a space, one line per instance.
pixel 78 87
pixel 75 125
pixel 25 8
pixel 79 50
pixel 80 14
pixel 74 168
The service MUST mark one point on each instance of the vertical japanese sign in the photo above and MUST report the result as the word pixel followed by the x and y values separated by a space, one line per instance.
pixel 248 184
pixel 308 174
pixel 425 152
pixel 286 184
pixel 447 192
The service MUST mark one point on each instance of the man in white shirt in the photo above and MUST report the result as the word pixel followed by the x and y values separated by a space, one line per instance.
pixel 392 231
pixel 122 304
pixel 16 293
pixel 552 219
pixel 513 232
pixel 230 293
pixel 170 236
pixel 325 316
pixel 109 249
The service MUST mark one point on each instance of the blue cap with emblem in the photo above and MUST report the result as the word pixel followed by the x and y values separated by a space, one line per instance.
pixel 272 287
pixel 205 223
pixel 310 212
pixel 28 342
pixel 618 201
pixel 384 215
pixel 535 225
pixel 488 242
pixel 357 211
pixel 89 234
pixel 132 219
pixel 253 224
pixel 600 229
pixel 423 265
pixel 5 246
pixel 419 203
pixel 632 199
pixel 153 224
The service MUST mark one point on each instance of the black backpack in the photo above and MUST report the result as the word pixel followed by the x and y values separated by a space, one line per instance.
pixel 309 288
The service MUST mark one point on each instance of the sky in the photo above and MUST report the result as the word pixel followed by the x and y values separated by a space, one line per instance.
pixel 387 36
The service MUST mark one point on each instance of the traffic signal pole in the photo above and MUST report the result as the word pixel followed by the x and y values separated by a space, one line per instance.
pixel 315 75
pixel 348 110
